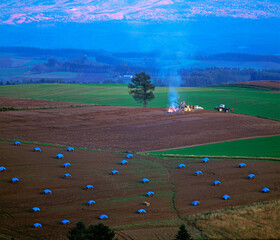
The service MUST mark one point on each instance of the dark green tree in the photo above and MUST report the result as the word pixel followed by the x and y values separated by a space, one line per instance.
pixel 100 232
pixel 141 88
pixel 183 234
pixel 78 232
pixel 94 232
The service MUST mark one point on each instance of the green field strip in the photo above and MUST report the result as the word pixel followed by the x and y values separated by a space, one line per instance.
pixel 249 101
pixel 267 148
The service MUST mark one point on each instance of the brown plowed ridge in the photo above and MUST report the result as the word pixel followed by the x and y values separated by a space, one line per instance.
pixel 118 196
pixel 130 128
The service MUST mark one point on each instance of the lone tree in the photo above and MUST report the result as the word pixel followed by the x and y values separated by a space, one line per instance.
pixel 183 234
pixel 94 232
pixel 141 88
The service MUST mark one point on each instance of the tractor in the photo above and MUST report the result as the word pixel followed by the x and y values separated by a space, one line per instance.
pixel 223 108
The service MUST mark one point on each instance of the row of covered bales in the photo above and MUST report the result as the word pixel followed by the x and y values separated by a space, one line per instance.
pixel 217 182
pixel 87 187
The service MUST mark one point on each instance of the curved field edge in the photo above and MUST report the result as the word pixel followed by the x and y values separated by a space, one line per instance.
pixel 250 221
pixel 263 148
pixel 248 101
pixel 254 221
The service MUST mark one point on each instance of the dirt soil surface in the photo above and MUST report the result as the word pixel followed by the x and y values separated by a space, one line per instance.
pixel 31 104
pixel 118 196
pixel 130 128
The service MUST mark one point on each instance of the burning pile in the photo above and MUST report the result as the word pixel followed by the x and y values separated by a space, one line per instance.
pixel 182 107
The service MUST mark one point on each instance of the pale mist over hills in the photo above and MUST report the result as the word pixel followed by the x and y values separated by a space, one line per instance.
pixel 166 33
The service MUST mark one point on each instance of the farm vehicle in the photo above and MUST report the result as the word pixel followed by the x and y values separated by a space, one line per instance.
pixel 223 108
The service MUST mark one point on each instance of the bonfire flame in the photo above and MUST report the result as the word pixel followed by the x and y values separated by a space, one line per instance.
pixel 172 109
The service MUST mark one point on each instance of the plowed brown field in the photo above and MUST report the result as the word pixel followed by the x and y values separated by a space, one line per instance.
pixel 133 129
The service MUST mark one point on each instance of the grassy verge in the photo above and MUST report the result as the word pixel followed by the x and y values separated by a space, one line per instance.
pixel 264 148
pixel 254 221
pixel 249 101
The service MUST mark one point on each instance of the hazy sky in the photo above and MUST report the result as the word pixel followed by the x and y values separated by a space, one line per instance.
pixel 129 25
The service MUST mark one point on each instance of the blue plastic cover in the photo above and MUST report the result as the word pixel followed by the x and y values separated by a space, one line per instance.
pixel 70 149
pixel 141 211
pixel 59 155
pixel 67 164
pixel 194 203
pixel 265 190
pixel 115 171
pixel 15 179
pixel 103 216
pixel 91 202
pixel 216 182
pixel 198 172
pixel 205 159
pixel 144 180
pixel 242 165
pixel 47 191
pixel 251 175
pixel 181 165
pixel 37 225
pixel 67 175
pixel 65 221
pixel 149 193
pixel 123 162
pixel 36 209
pixel 89 186
pixel 17 143
pixel 37 149
pixel 2 169
pixel 226 197
pixel 129 155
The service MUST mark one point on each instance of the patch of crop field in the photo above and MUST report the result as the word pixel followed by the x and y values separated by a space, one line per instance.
pixel 254 221
pixel 249 101
pixel 267 147
pixel 118 196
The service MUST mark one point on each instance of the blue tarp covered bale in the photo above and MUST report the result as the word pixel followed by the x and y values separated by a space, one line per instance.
pixel 70 149
pixel 36 225
pixel 124 162
pixel 242 165
pixel 216 183
pixel 145 180
pixel 36 209
pixel 67 176
pixel 90 202
pixel 47 191
pixel 150 194
pixel 141 211
pixel 89 187
pixel 195 203
pixel 14 180
pixel 129 155
pixel 115 172
pixel 59 156
pixel 205 160
pixel 103 217
pixel 226 197
pixel 37 149
pixel 63 222
pixel 181 165
pixel 265 190
pixel 2 169
pixel 17 143
pixel 67 164
pixel 198 173
pixel 251 176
